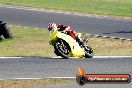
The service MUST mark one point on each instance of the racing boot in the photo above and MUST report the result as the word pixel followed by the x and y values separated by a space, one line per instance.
pixel 80 41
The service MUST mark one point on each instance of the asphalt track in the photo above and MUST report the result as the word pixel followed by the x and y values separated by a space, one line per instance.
pixel 46 67
pixel 56 67
pixel 104 26
pixel 42 67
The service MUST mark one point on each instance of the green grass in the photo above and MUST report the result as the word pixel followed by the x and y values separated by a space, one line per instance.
pixel 114 47
pixel 105 7
pixel 27 42
pixel 32 83
pixel 32 42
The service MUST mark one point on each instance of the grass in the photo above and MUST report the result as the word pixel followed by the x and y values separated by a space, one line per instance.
pixel 32 83
pixel 32 42
pixel 114 47
pixel 27 42
pixel 105 7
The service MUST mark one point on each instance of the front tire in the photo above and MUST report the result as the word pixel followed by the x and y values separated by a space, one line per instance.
pixel 56 52
pixel 62 48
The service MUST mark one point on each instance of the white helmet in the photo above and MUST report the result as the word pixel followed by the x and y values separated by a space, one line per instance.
pixel 52 26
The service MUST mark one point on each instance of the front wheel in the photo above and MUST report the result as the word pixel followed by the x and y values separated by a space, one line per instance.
pixel 62 48
pixel 56 52
pixel 88 52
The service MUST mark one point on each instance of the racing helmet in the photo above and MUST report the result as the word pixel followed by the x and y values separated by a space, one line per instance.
pixel 51 26
pixel 68 28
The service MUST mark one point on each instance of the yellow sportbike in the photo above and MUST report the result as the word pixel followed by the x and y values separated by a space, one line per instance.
pixel 65 46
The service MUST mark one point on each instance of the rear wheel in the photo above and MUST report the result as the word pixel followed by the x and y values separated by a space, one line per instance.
pixel 62 48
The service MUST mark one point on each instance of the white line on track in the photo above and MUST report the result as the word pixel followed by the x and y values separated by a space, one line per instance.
pixel 60 77
pixel 19 26
pixel 36 28
pixel 104 57
pixel 112 57
pixel 72 57
pixel 56 77
pixel 25 27
pixel 38 78
pixel 10 57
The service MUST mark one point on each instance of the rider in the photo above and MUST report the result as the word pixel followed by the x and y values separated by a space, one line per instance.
pixel 66 29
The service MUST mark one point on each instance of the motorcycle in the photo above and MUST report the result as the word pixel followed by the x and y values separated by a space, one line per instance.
pixel 5 31
pixel 65 46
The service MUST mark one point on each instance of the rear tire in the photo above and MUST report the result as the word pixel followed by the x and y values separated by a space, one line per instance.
pixel 59 45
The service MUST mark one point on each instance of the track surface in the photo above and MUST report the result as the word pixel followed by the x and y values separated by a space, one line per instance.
pixel 93 25
pixel 42 67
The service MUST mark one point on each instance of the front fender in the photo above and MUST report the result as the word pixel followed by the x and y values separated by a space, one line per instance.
pixel 77 51
pixel 67 38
